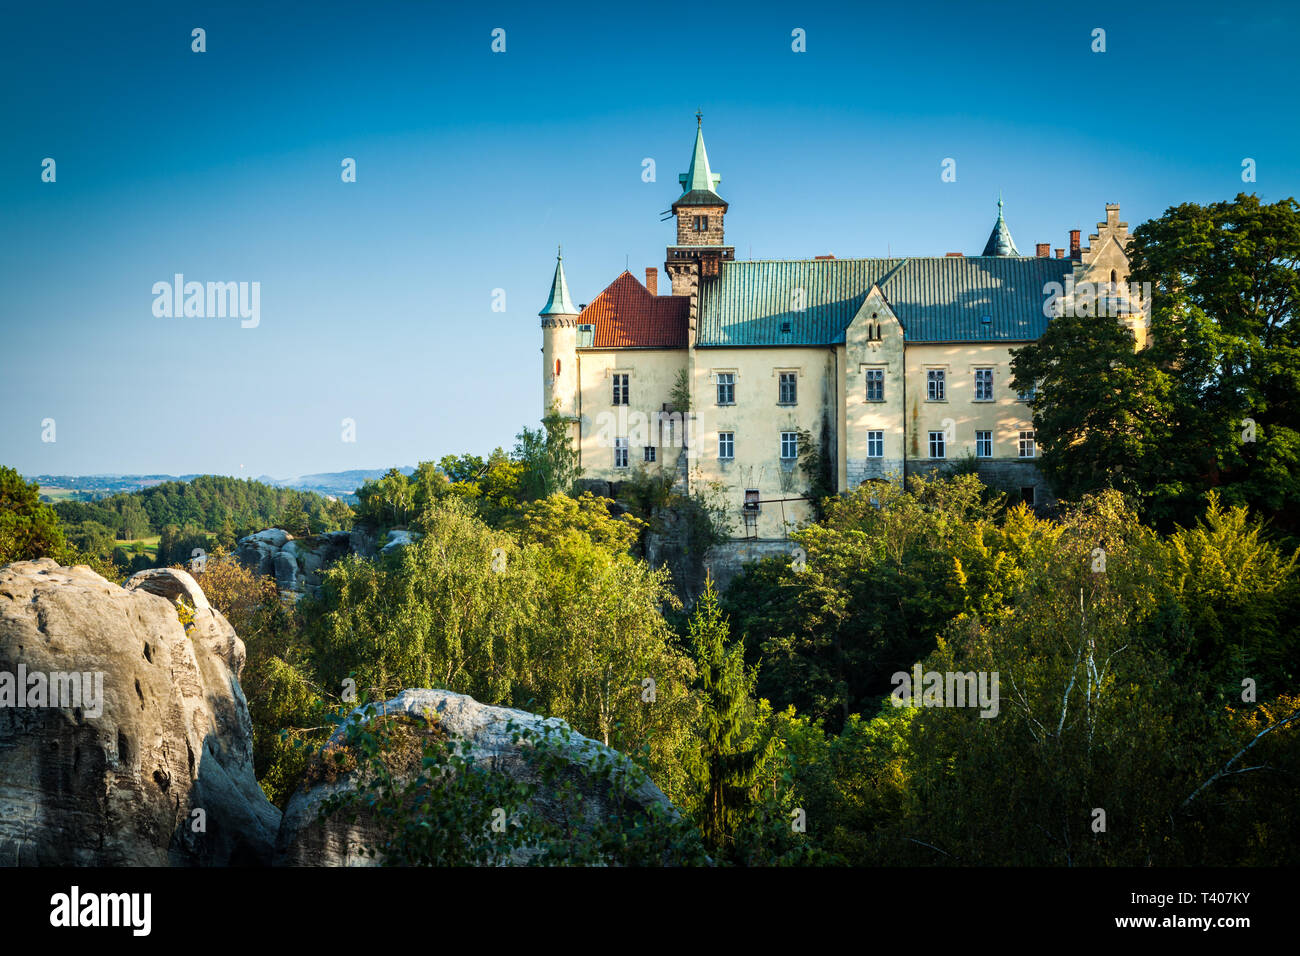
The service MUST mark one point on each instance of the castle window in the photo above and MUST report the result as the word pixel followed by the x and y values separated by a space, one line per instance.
pixel 620 389
pixel 787 390
pixel 620 452
pixel 875 384
pixel 1027 445
pixel 937 447
pixel 934 385
pixel 1027 495
pixel 789 446
pixel 1028 394
pixel 557 368
pixel 984 385
pixel 701 224
pixel 876 444
pixel 726 445
pixel 983 444
pixel 649 453
pixel 726 388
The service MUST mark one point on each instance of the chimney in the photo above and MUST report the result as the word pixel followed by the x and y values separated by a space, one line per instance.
pixel 953 255
pixel 652 279
pixel 1044 249
pixel 1074 244
pixel 823 257
pixel 1060 253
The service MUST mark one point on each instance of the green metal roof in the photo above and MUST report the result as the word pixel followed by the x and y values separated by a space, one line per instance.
pixel 559 303
pixel 1000 242
pixel 942 299
pixel 699 183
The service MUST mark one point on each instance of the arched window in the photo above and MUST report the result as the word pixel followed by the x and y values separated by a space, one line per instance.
pixel 1114 280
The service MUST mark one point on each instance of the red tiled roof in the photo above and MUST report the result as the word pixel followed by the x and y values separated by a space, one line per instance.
pixel 627 316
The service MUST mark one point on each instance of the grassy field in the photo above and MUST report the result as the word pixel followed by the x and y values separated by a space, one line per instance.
pixel 150 545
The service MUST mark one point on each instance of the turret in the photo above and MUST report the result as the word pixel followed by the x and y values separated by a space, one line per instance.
pixel 559 348
pixel 699 211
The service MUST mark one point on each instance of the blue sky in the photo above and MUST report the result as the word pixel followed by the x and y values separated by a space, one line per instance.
pixel 376 296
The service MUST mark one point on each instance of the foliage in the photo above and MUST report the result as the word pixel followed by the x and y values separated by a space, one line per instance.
pixel 437 806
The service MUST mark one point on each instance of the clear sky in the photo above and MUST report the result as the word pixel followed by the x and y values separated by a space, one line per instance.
pixel 376 296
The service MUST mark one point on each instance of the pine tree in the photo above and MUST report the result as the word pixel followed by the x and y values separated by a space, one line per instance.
pixel 730 765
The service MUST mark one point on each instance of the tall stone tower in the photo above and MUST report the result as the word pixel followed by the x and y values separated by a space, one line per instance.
pixel 700 236
pixel 560 348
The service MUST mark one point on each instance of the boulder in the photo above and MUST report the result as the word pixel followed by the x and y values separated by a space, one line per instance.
pixel 399 538
pixel 109 770
pixel 297 563
pixel 307 839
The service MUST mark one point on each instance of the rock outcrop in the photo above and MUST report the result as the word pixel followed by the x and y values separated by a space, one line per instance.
pixel 297 563
pixel 125 738
pixel 307 839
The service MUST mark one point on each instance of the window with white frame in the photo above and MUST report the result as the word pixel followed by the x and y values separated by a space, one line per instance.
pixel 984 385
pixel 937 449
pixel 726 444
pixel 876 444
pixel 1028 394
pixel 649 453
pixel 620 389
pixel 787 390
pixel 983 444
pixel 620 452
pixel 875 384
pixel 1026 444
pixel 726 388
pixel 934 385
pixel 789 445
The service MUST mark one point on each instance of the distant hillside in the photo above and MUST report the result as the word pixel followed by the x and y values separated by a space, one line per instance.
pixel 338 484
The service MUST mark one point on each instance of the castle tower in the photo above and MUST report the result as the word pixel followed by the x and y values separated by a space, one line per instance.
pixel 560 348
pixel 699 211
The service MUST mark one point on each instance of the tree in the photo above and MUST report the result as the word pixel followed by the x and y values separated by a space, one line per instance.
pixel 1103 414
pixel 730 767
pixel 1214 402
pixel 549 458
pixel 28 528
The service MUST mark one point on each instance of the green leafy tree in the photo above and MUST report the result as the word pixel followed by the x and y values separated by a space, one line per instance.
pixel 550 461
pixel 731 761
pixel 28 528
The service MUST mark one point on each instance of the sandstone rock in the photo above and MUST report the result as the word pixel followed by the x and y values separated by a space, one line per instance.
pixel 114 781
pixel 398 538
pixel 296 563
pixel 305 839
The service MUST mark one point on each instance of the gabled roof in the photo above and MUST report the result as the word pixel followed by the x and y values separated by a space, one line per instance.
pixel 627 316
pixel 940 299
pixel 559 302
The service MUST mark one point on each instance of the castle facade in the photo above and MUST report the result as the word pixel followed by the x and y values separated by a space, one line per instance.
pixel 747 378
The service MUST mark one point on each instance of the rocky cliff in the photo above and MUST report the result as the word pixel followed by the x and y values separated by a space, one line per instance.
pixel 125 739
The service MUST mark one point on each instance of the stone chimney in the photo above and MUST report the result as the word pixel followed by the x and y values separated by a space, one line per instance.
pixel 652 279
pixel 1060 253
pixel 1043 250
pixel 1075 252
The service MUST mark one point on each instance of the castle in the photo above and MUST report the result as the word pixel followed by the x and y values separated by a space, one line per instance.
pixel 750 377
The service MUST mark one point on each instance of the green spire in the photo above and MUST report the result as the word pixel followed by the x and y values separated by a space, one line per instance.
pixel 1000 242
pixel 559 303
pixel 699 178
